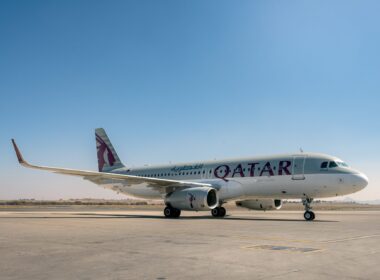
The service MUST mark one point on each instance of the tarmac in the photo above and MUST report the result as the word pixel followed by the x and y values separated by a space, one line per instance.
pixel 137 244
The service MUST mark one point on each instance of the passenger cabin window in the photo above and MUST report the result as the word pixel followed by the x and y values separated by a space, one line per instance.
pixel 324 164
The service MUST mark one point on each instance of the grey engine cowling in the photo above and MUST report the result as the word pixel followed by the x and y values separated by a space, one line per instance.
pixel 260 204
pixel 196 199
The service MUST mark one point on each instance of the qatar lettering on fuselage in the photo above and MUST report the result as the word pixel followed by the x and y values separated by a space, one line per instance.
pixel 254 170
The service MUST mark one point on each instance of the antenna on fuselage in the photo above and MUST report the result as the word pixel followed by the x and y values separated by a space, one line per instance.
pixel 301 150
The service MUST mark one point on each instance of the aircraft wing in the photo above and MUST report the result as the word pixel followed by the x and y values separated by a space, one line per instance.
pixel 104 177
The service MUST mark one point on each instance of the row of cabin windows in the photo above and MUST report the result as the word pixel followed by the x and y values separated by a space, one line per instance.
pixel 174 174
pixel 190 173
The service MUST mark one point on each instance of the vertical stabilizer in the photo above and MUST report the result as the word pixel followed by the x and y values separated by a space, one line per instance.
pixel 107 156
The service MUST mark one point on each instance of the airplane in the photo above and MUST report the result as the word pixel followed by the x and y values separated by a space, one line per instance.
pixel 257 183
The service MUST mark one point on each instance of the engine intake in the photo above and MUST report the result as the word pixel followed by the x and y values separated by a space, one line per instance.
pixel 196 199
pixel 260 204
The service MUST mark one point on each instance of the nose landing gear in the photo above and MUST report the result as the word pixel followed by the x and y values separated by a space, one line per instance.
pixel 308 215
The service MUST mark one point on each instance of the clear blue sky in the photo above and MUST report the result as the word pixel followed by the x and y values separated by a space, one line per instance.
pixel 183 81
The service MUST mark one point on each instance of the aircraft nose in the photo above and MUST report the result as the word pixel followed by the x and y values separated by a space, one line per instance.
pixel 360 180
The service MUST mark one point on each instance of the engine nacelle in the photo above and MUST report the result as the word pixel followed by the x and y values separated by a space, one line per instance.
pixel 260 204
pixel 196 199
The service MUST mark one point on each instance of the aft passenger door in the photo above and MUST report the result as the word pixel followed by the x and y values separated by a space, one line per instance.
pixel 298 172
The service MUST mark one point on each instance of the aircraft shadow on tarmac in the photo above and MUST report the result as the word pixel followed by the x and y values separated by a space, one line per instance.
pixel 139 216
pixel 229 218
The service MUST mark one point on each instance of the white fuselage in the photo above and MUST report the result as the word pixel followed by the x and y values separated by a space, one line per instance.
pixel 285 176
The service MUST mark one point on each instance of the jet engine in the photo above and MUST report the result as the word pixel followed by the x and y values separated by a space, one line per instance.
pixel 260 204
pixel 196 199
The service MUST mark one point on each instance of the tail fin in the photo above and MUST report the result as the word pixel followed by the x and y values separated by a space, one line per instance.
pixel 107 156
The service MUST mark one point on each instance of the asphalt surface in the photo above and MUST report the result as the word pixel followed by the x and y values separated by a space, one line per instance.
pixel 143 245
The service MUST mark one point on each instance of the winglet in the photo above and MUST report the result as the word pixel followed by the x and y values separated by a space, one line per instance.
pixel 18 153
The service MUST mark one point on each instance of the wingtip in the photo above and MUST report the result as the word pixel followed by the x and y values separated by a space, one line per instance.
pixel 18 153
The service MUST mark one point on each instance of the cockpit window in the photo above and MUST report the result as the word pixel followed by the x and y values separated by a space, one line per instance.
pixel 342 164
pixel 324 164
pixel 333 164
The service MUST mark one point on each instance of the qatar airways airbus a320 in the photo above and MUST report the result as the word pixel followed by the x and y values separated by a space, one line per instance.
pixel 258 183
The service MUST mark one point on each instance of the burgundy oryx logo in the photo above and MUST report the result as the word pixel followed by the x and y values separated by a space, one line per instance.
pixel 105 155
pixel 191 199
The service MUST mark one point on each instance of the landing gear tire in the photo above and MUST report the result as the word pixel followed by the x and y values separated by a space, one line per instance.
pixel 177 213
pixel 309 215
pixel 215 212
pixel 222 212
pixel 218 212
pixel 171 212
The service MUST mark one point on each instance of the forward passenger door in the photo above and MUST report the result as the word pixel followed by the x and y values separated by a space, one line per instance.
pixel 298 170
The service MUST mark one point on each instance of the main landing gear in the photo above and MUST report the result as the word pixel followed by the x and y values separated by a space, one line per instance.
pixel 308 215
pixel 218 212
pixel 171 212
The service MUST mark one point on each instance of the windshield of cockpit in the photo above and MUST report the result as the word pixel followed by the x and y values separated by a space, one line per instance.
pixel 333 164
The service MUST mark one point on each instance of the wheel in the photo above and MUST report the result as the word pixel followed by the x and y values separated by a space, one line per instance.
pixel 176 213
pixel 218 212
pixel 171 212
pixel 222 212
pixel 215 212
pixel 168 212
pixel 309 215
pixel 313 215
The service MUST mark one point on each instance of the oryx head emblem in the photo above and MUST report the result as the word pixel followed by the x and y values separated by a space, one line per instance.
pixel 105 155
